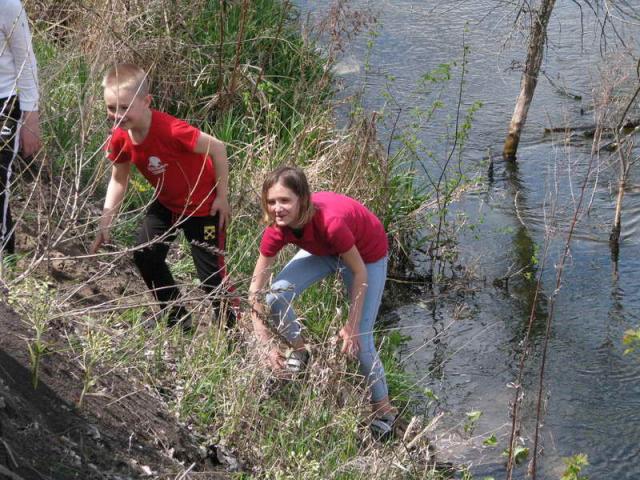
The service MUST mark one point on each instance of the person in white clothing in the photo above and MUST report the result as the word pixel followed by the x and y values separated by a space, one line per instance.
pixel 19 118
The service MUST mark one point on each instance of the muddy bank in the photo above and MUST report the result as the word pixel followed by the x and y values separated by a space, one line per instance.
pixel 122 432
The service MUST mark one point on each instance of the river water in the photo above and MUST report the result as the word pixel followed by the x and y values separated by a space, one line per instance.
pixel 466 343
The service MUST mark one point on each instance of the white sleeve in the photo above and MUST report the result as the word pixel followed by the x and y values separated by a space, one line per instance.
pixel 19 43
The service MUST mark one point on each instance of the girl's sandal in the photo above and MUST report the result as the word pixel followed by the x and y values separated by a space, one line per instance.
pixel 382 427
pixel 296 361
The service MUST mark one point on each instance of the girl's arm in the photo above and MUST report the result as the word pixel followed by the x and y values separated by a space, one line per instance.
pixel 259 280
pixel 351 331
pixel 210 145
pixel 113 199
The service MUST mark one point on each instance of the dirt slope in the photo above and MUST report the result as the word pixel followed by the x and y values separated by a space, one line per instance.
pixel 125 433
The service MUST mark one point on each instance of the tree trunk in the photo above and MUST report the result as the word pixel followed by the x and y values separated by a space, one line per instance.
pixel 537 39
pixel 617 219
pixel 624 153
pixel 614 237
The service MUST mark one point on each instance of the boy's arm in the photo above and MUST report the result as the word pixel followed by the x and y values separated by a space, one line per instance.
pixel 209 145
pixel 113 199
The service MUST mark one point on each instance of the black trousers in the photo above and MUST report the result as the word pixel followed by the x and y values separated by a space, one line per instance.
pixel 9 145
pixel 158 229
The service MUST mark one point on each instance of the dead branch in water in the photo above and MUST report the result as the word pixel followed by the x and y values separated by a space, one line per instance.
pixel 624 148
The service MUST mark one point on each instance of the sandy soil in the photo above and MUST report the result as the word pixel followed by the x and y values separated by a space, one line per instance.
pixel 124 432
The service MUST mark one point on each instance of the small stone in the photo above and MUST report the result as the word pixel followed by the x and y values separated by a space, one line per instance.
pixel 75 458
pixel 94 432
pixel 146 470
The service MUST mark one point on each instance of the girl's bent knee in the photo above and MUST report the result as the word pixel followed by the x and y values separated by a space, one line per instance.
pixel 281 295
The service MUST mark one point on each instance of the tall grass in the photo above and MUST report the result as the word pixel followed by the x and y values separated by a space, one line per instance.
pixel 241 71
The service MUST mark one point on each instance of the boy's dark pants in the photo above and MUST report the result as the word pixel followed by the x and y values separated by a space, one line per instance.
pixel 9 117
pixel 207 245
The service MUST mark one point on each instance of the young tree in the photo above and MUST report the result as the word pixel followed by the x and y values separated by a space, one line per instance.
pixel 537 38
pixel 623 144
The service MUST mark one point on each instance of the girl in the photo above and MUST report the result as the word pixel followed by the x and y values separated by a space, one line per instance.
pixel 336 234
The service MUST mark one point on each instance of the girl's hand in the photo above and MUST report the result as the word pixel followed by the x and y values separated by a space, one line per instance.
pixel 349 335
pixel 276 359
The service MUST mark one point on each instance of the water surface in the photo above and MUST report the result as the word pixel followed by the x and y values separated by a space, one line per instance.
pixel 465 345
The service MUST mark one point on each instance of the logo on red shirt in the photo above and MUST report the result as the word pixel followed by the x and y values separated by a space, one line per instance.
pixel 156 166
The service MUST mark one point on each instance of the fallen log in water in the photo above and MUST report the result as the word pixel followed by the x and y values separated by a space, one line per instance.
pixel 629 127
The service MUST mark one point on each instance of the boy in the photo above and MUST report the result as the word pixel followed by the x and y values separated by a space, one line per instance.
pixel 189 171
pixel 19 120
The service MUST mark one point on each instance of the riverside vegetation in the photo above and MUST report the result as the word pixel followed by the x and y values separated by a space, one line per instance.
pixel 242 71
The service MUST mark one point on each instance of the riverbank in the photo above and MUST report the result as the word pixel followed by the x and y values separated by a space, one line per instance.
pixel 246 75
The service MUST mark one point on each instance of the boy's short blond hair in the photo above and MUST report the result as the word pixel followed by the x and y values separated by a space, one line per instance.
pixel 127 76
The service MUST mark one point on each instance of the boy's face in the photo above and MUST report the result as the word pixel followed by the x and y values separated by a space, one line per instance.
pixel 125 108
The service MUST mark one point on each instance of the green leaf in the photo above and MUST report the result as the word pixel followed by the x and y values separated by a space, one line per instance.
pixel 474 416
pixel 520 454
pixel 492 441
pixel 430 395
pixel 574 467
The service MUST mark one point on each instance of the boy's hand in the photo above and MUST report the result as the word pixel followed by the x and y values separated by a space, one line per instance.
pixel 223 209
pixel 103 236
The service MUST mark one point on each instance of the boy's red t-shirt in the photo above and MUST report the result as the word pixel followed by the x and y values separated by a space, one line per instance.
pixel 184 181
pixel 339 223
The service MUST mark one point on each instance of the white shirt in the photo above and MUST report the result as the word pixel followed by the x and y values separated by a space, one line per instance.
pixel 18 69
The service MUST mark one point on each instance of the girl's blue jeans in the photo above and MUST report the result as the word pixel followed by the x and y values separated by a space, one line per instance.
pixel 304 270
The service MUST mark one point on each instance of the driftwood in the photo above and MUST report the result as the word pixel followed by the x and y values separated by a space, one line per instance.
pixel 615 144
pixel 630 126
pixel 628 129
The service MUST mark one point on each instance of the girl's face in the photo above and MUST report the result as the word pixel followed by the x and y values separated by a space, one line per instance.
pixel 283 206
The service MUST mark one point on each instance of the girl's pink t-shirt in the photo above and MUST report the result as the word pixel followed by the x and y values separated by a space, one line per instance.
pixel 339 223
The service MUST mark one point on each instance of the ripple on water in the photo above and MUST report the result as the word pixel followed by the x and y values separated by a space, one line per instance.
pixel 631 218
pixel 612 455
pixel 623 460
pixel 615 369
